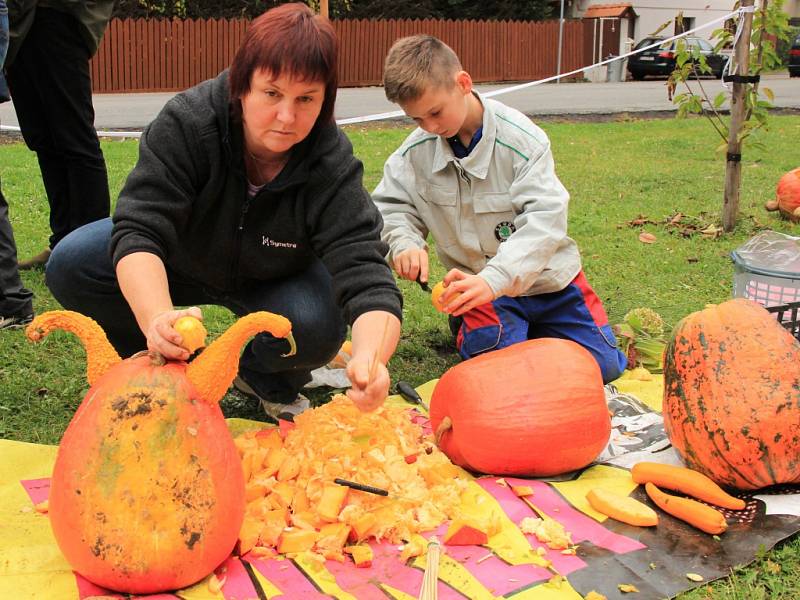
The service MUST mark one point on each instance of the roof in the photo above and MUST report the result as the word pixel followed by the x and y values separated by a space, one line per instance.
pixel 609 10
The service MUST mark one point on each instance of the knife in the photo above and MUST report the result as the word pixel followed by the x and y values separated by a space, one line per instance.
pixel 407 391
pixel 423 284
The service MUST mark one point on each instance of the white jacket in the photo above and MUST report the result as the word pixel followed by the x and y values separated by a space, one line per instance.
pixel 506 185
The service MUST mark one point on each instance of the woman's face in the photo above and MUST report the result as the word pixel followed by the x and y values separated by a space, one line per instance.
pixel 279 112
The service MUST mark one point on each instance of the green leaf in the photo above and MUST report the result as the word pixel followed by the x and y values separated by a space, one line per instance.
pixel 720 99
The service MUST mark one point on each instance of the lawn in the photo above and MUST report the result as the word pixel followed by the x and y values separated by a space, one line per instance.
pixel 625 177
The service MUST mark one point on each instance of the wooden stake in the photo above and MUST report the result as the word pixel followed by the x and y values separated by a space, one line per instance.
pixel 733 169
pixel 323 8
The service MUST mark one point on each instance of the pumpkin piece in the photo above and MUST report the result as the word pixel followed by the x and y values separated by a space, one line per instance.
pixel 297 540
pixel 436 296
pixel 362 555
pixel 193 333
pixel 249 534
pixel 362 526
pixel 732 396
pixel 166 519
pixel 274 523
pixel 300 501
pixel 687 481
pixel 622 508
pixel 438 473
pixel 254 491
pixel 304 520
pixel 332 538
pixel 289 469
pixel 275 458
pixel 269 438
pixel 522 491
pixel 503 412
pixel 285 490
pixel 331 502
pixel 414 547
pixel 466 532
pixel 263 552
pixel 695 513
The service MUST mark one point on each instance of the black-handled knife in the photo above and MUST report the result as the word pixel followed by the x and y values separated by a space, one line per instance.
pixel 407 391
pixel 423 285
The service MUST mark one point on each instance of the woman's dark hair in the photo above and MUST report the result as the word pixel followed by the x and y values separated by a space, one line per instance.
pixel 288 39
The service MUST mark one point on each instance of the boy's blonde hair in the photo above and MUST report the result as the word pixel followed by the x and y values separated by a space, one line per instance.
pixel 417 63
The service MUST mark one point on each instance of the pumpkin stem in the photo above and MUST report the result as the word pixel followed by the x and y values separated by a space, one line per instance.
pixel 212 372
pixel 156 359
pixel 444 426
pixel 100 354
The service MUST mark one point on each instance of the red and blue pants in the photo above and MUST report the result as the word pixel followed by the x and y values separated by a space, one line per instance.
pixel 574 313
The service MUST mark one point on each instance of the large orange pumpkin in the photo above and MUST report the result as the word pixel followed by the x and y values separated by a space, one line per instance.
pixel 732 395
pixel 536 408
pixel 787 195
pixel 147 491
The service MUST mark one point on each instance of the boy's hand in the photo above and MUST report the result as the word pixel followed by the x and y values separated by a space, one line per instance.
pixel 162 337
pixel 412 264
pixel 464 292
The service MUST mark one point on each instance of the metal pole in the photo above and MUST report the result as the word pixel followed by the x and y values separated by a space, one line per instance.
pixel 560 42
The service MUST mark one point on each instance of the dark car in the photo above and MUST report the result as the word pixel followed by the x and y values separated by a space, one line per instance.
pixel 660 60
pixel 794 58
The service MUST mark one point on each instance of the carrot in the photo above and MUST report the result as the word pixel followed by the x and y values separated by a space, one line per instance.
pixel 688 481
pixel 622 508
pixel 693 512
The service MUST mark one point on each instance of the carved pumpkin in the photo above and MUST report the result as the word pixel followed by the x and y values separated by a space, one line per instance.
pixel 732 395
pixel 787 196
pixel 536 408
pixel 147 492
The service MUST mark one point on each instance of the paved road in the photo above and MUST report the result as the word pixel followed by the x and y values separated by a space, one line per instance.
pixel 133 111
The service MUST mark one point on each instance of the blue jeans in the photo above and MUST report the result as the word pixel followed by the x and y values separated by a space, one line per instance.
pixel 81 276
pixel 574 313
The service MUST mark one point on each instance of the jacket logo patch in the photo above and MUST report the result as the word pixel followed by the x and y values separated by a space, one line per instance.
pixel 265 241
pixel 504 230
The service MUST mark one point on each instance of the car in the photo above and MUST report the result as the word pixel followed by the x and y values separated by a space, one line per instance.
pixel 660 60
pixel 794 58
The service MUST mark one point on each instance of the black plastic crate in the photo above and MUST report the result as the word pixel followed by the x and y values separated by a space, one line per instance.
pixel 787 315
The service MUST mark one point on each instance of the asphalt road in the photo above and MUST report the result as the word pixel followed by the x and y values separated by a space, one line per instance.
pixel 133 111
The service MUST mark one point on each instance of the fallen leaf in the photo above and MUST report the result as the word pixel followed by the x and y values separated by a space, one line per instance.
pixel 594 596
pixel 711 232
pixel 692 259
pixel 652 566
pixel 647 238
pixel 627 588
pixel 694 577
pixel 772 567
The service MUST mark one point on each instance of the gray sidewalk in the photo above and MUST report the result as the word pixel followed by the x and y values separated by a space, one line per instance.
pixel 134 111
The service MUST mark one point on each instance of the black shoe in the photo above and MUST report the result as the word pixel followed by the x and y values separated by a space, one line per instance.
pixel 15 321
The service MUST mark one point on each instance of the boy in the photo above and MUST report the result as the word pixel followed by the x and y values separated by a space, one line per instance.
pixel 479 176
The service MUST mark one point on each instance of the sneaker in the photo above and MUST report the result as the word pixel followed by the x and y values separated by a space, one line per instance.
pixel 35 261
pixel 274 410
pixel 15 321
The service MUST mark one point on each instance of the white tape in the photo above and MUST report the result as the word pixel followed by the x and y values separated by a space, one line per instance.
pixel 399 113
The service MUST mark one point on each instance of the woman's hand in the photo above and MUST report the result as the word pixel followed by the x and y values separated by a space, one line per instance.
pixel 464 292
pixel 370 383
pixel 375 336
pixel 162 337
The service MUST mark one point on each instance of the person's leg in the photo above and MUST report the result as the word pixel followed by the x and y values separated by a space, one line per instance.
pixel 576 313
pixel 16 302
pixel 490 326
pixel 51 88
pixel 306 299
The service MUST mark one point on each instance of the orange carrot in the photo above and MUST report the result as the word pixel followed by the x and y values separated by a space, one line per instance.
pixel 693 512
pixel 622 508
pixel 687 481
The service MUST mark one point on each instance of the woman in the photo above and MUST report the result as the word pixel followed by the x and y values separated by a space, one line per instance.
pixel 247 195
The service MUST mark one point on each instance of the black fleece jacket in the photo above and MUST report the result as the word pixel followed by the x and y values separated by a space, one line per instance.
pixel 186 201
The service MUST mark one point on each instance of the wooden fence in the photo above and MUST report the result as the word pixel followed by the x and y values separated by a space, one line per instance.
pixel 149 55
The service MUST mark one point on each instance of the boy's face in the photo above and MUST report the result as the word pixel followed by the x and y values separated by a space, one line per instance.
pixel 439 110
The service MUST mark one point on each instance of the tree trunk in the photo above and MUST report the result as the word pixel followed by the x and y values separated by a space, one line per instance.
pixel 733 170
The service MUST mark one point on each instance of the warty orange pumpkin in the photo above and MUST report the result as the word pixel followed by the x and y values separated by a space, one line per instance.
pixel 536 408
pixel 147 491
pixel 732 395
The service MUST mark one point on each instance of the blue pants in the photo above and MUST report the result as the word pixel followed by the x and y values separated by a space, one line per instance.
pixel 575 313
pixel 81 276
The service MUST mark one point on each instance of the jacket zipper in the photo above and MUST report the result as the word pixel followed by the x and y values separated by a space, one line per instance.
pixel 237 246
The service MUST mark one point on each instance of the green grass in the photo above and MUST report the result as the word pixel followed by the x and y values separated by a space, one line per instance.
pixel 615 171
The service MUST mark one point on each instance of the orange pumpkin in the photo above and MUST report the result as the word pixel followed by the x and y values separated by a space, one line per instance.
pixel 147 492
pixel 787 195
pixel 732 396
pixel 536 408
